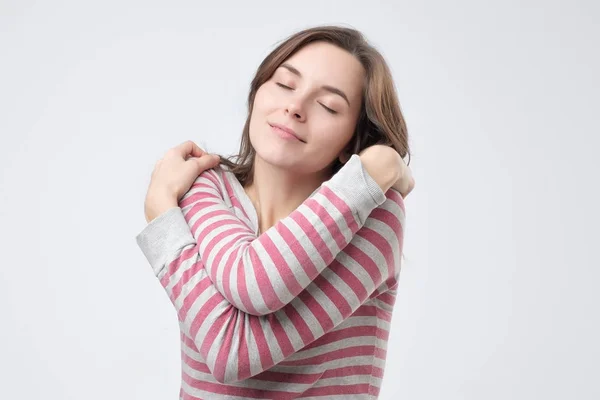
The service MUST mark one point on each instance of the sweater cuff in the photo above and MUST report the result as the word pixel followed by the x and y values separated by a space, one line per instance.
pixel 163 237
pixel 357 187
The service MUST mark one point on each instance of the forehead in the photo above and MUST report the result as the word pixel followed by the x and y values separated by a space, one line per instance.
pixel 326 64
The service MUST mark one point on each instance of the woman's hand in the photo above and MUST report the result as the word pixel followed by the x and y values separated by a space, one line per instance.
pixel 406 182
pixel 387 168
pixel 173 176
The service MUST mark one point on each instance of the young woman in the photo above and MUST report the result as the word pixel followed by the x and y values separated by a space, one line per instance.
pixel 283 264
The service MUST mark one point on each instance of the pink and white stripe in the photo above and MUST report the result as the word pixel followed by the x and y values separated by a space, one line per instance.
pixel 301 311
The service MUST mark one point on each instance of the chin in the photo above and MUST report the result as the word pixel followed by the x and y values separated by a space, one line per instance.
pixel 275 152
pixel 278 158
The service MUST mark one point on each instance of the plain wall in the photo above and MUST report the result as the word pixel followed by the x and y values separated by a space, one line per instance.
pixel 498 296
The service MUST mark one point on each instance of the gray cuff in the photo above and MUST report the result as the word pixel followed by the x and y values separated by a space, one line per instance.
pixel 357 187
pixel 163 237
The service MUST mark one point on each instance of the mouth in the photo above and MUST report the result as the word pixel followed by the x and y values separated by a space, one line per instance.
pixel 285 131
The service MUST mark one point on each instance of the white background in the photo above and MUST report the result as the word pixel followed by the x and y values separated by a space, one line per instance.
pixel 498 295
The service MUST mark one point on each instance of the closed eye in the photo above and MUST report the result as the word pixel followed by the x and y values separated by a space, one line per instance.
pixel 329 110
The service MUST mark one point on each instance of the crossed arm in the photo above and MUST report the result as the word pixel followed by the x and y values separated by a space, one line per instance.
pixel 249 302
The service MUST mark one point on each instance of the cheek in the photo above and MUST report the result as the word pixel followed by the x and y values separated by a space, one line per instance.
pixel 329 141
pixel 264 100
pixel 258 108
pixel 261 108
pixel 334 134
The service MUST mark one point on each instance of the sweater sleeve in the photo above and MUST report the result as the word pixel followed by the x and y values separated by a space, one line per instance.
pixel 260 275
pixel 236 345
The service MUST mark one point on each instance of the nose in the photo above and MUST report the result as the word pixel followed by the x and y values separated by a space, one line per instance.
pixel 295 111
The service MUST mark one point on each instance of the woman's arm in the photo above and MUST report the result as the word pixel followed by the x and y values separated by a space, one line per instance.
pixel 260 275
pixel 236 345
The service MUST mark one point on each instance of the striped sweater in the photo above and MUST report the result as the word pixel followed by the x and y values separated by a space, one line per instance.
pixel 300 311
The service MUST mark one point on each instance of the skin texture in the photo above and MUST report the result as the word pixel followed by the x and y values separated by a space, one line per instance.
pixel 288 171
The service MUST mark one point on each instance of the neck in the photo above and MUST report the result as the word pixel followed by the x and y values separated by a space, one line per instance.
pixel 276 192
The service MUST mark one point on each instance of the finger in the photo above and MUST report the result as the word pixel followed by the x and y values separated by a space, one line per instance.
pixel 409 187
pixel 189 148
pixel 201 164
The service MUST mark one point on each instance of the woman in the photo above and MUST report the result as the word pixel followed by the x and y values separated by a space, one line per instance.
pixel 283 264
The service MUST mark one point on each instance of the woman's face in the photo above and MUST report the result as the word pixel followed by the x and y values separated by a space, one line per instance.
pixel 316 96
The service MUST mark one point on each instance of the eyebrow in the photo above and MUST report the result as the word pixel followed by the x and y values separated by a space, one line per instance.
pixel 329 88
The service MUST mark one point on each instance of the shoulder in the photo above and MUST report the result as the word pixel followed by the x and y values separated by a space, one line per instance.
pixel 215 182
pixel 219 176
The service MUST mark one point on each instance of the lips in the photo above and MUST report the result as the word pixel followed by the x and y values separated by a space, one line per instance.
pixel 287 130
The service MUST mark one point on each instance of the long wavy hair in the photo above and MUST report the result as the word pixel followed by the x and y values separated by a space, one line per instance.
pixel 380 120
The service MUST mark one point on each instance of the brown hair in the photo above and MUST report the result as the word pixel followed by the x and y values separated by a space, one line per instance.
pixel 380 120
